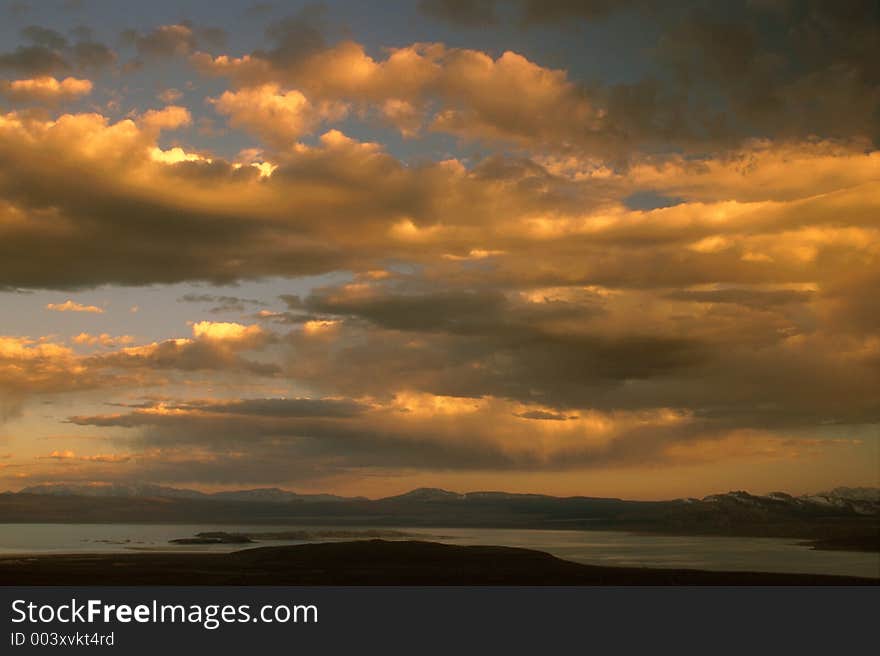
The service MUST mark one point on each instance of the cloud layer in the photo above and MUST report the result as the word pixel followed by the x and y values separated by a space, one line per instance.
pixel 583 276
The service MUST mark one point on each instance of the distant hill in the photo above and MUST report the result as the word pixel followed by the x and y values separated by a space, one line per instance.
pixel 833 518
pixel 863 493
pixel 112 490
pixel 274 494
pixel 267 494
pixel 840 496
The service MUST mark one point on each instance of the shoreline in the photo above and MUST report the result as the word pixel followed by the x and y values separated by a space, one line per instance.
pixel 859 543
pixel 368 562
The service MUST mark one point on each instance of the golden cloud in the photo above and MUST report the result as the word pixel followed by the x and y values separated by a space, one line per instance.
pixel 523 310
pixel 104 339
pixel 45 89
pixel 71 306
pixel 278 117
pixel 509 98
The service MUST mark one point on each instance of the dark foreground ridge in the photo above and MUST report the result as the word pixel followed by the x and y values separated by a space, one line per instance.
pixel 373 562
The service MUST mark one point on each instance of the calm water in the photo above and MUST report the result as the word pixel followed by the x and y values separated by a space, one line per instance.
pixel 591 547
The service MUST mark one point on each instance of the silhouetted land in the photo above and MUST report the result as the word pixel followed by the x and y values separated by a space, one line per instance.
pixel 374 562
pixel 869 542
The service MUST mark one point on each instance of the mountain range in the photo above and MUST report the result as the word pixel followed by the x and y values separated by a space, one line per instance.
pixel 860 500
pixel 839 518
pixel 264 494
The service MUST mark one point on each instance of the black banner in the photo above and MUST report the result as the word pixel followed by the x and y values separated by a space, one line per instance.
pixel 487 620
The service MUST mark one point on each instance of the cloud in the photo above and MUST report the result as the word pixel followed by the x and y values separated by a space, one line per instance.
pixel 68 455
pixel 530 13
pixel 744 218
pixel 44 36
pixel 165 40
pixel 717 78
pixel 212 219
pixel 463 92
pixel 466 13
pixel 50 52
pixel 33 60
pixel 45 89
pixel 61 455
pixel 222 304
pixel 32 367
pixel 573 349
pixel 673 270
pixel 175 39
pixel 432 431
pixel 294 440
pixel 545 415
pixel 259 9
pixel 106 458
pixel 520 291
pixel 214 346
pixel 71 306
pixel 170 95
pixel 296 36
pixel 17 8
pixel 91 55
pixel 103 339
pixel 536 12
pixel 754 298
pixel 278 117
pixel 167 118
pixel 283 407
pixel 226 332
pixel 765 68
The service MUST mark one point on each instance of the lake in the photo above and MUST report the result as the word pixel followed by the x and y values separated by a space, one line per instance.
pixel 608 548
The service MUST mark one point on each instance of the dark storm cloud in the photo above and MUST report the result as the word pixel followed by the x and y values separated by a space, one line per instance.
pixel 175 39
pixel 748 297
pixel 17 8
pixel 484 343
pixel 791 73
pixel 471 13
pixel 849 309
pixel 33 60
pixel 222 304
pixel 333 445
pixel 296 36
pixel 576 354
pixel 50 52
pixel 535 12
pixel 564 371
pixel 293 301
pixel 796 69
pixel 91 55
pixel 189 356
pixel 466 13
pixel 461 312
pixel 259 10
pixel 44 36
pixel 302 407
pixel 544 415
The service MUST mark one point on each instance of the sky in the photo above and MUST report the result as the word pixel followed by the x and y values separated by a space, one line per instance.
pixel 553 246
